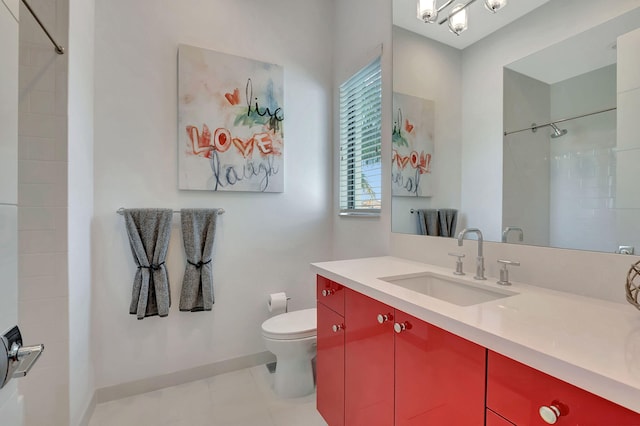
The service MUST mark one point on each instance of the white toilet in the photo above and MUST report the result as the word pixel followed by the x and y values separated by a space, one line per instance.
pixel 291 337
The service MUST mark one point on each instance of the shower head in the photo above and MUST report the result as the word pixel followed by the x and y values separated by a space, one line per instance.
pixel 557 132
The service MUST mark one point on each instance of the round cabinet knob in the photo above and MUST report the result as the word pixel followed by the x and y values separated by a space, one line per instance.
pixel 399 327
pixel 384 318
pixel 337 327
pixel 549 414
pixel 328 292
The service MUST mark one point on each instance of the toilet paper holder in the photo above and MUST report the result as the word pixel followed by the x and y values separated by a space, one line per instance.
pixel 16 360
pixel 278 301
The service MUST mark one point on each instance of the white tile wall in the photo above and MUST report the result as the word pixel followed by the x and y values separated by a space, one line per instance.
pixel 42 213
pixel 583 163
pixel 627 180
pixel 628 123
pixel 628 62
pixel 628 152
pixel 8 267
pixel 11 410
pixel 8 110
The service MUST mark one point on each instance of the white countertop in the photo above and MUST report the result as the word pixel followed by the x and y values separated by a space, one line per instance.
pixel 590 343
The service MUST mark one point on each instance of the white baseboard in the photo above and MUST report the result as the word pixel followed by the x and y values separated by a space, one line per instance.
pixel 151 384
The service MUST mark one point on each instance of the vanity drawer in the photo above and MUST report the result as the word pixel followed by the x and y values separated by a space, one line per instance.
pixel 330 294
pixel 518 392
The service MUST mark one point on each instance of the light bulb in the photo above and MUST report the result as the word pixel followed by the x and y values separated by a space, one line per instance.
pixel 427 11
pixel 494 5
pixel 458 19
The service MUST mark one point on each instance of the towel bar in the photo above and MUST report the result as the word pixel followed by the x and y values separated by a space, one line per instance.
pixel 120 211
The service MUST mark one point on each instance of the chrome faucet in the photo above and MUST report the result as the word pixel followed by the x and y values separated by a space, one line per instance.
pixel 480 259
pixel 508 229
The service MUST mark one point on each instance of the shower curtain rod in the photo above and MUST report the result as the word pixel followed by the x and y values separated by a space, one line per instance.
pixel 59 49
pixel 120 211
pixel 535 127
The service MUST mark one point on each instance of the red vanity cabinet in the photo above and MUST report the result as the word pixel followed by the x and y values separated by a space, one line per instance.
pixel 495 420
pixel 330 351
pixel 330 366
pixel 517 392
pixel 439 377
pixel 369 382
pixel 369 374
pixel 330 294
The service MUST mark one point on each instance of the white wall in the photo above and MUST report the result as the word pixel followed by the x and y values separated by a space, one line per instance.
pixel 42 212
pixel 360 28
pixel 482 66
pixel 80 193
pixel 431 70
pixel 525 186
pixel 265 242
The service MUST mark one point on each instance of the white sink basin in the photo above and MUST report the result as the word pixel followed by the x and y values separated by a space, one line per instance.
pixel 449 289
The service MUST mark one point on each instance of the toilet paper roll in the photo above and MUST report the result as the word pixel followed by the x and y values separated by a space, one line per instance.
pixel 278 303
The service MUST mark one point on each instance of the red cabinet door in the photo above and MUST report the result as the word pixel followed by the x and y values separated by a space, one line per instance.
pixel 330 366
pixel 440 377
pixel 517 392
pixel 369 385
pixel 495 420
pixel 330 294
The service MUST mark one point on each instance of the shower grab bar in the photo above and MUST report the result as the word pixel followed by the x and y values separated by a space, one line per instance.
pixel 536 127
pixel 59 48
pixel 120 211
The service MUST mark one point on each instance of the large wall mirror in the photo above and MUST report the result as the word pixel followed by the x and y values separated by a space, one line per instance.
pixel 526 125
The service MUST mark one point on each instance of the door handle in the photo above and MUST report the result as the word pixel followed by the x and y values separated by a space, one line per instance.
pixel 15 359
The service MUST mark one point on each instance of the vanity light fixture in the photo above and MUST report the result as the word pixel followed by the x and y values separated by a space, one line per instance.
pixel 458 19
pixel 494 5
pixel 427 11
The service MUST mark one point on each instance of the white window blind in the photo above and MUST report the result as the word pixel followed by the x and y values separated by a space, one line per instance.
pixel 360 141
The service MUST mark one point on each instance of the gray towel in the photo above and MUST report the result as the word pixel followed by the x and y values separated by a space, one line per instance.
pixel 448 219
pixel 198 231
pixel 428 222
pixel 149 231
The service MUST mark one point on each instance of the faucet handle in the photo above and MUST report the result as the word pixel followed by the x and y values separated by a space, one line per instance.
pixel 504 272
pixel 458 270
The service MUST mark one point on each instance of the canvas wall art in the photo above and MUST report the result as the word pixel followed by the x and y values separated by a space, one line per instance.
pixel 230 122
pixel 412 148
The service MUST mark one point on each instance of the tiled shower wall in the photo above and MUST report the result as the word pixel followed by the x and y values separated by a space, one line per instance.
pixel 42 212
pixel 628 150
pixel 569 181
pixel 583 163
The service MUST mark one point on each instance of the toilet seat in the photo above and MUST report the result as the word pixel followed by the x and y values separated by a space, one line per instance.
pixel 291 325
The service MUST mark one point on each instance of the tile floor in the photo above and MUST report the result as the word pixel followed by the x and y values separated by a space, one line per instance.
pixel 239 398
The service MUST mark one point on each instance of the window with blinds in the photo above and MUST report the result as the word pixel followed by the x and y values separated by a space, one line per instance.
pixel 360 142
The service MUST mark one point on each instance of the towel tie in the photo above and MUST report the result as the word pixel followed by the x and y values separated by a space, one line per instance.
pixel 153 266
pixel 199 264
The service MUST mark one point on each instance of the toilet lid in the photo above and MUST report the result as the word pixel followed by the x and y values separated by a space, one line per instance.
pixel 292 325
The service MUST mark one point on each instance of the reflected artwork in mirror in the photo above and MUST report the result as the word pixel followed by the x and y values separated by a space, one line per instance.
pixel 412 150
pixel 535 133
